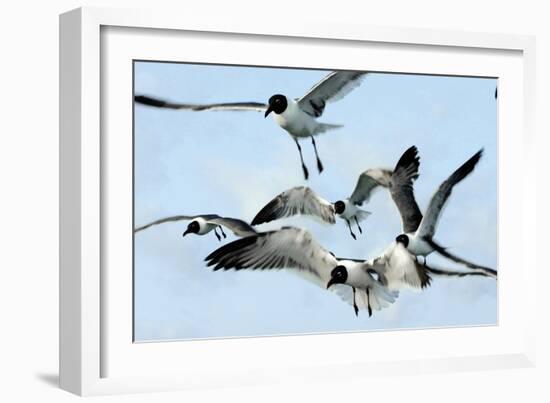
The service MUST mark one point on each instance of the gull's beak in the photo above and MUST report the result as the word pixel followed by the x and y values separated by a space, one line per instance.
pixel 331 282
pixel 268 111
pixel 185 233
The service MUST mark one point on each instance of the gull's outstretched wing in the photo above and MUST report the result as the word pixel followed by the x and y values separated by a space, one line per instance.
pixel 455 273
pixel 229 106
pixel 402 192
pixel 166 219
pixel 287 248
pixel 298 200
pixel 428 224
pixel 443 252
pixel 368 181
pixel 333 87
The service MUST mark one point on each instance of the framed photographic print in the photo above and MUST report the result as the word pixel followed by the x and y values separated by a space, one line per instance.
pixel 262 193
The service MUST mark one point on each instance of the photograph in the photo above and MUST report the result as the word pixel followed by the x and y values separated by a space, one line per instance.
pixel 272 201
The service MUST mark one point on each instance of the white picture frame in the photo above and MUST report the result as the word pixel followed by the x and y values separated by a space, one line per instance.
pixel 92 347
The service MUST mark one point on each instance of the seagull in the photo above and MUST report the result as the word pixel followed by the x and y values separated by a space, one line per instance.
pixel 418 230
pixel 297 116
pixel 303 200
pixel 203 224
pixel 297 250
pixel 397 268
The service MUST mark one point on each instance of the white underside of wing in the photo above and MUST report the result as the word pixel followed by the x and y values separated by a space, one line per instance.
pixel 399 268
pixel 302 200
pixel 335 86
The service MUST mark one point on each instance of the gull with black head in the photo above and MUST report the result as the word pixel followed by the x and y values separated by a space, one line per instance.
pixel 396 268
pixel 303 200
pixel 418 229
pixel 297 250
pixel 203 224
pixel 297 116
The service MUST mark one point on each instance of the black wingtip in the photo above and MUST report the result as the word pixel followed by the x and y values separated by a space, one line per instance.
pixel 223 256
pixel 466 168
pixel 409 157
pixel 267 213
pixel 258 220
pixel 145 100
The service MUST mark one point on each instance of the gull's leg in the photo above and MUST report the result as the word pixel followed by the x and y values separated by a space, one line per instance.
pixel 304 168
pixel 319 163
pixel 358 226
pixel 368 302
pixel 355 308
pixel 350 230
pixel 217 235
pixel 221 230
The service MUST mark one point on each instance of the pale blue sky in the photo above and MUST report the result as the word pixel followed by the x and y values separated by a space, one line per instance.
pixel 232 163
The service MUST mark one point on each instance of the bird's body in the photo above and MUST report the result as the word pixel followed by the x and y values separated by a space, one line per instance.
pixel 298 117
pixel 295 121
pixel 418 246
pixel 204 226
pixel 352 211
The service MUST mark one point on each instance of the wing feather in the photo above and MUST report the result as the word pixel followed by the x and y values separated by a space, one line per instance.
pixel 442 251
pixel 298 200
pixel 287 248
pixel 402 192
pixel 428 224
pixel 164 220
pixel 333 87
pixel 368 181
pixel 229 106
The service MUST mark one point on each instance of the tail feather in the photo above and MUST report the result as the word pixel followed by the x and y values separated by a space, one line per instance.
pixel 362 215
pixel 324 127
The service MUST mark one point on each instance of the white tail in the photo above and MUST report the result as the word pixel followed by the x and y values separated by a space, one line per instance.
pixel 324 127
pixel 362 214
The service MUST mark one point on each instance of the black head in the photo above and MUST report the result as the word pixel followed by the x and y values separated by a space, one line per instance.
pixel 339 207
pixel 404 239
pixel 277 103
pixel 192 228
pixel 338 275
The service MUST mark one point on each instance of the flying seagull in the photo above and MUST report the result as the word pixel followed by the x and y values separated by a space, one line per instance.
pixel 397 268
pixel 203 224
pixel 297 116
pixel 303 200
pixel 419 230
pixel 295 249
